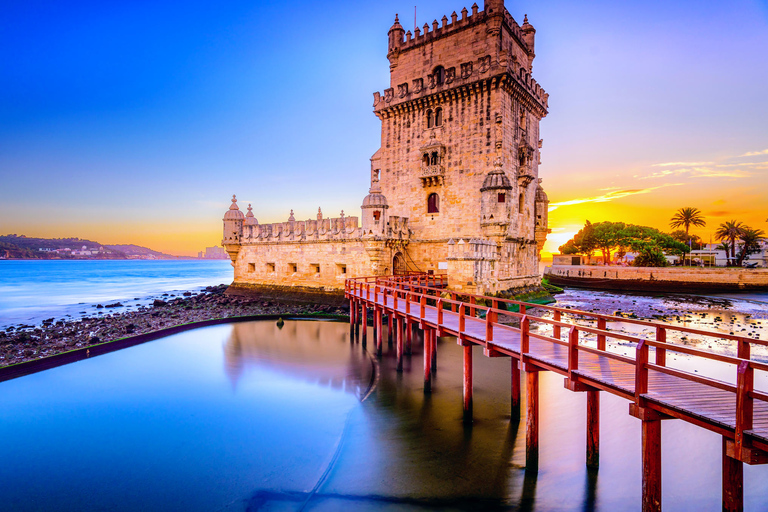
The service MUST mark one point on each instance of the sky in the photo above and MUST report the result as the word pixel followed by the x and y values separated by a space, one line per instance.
pixel 135 122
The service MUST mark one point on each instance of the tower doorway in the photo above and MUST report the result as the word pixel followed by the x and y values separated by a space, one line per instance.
pixel 398 264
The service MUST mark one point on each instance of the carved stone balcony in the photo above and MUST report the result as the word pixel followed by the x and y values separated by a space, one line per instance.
pixel 432 175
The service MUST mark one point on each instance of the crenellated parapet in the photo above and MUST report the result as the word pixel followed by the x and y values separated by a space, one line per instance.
pixel 339 228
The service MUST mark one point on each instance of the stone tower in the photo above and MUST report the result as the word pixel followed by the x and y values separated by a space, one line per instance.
pixel 460 147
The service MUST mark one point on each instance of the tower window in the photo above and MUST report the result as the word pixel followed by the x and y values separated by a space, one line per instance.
pixel 293 268
pixel 439 117
pixel 435 160
pixel 433 203
pixel 439 73
pixel 430 119
pixel 502 197
pixel 270 267
pixel 425 159
pixel 376 215
pixel 520 204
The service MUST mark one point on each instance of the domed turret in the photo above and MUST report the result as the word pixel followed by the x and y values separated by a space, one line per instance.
pixel 495 201
pixel 250 220
pixel 234 212
pixel 233 226
pixel 374 221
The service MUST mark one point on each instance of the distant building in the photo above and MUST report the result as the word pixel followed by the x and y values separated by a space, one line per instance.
pixel 213 253
pixel 454 186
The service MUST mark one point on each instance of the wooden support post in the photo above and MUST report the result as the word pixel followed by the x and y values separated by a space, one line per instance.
pixel 408 335
pixel 433 351
pixel 556 328
pixel 515 389
pixel 427 360
pixel 467 382
pixel 400 343
pixel 352 314
pixel 661 353
pixel 601 337
pixel 733 482
pixel 390 326
pixel 472 303
pixel 651 465
pixel 593 428
pixel 365 321
pixel 379 331
pixel 532 421
pixel 745 384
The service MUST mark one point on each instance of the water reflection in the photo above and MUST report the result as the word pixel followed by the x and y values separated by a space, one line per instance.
pixel 254 417
pixel 308 351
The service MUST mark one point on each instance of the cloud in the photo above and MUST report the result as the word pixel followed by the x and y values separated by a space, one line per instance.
pixel 681 164
pixel 700 172
pixel 719 213
pixel 755 153
pixel 610 196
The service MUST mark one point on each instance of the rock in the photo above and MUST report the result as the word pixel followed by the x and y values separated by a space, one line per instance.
pixel 115 305
pixel 159 303
pixel 187 294
pixel 99 306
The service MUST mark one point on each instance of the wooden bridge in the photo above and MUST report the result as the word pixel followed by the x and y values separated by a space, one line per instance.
pixel 577 350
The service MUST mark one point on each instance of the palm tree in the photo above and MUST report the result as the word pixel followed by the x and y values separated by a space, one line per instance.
pixel 730 231
pixel 687 217
pixel 750 239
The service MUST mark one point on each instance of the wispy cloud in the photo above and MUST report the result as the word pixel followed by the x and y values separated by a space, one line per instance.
pixel 610 196
pixel 718 171
pixel 755 153
pixel 681 164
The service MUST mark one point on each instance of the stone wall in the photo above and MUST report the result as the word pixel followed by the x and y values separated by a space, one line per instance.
pixel 661 279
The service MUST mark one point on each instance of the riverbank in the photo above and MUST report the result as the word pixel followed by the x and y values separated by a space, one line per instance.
pixel 658 279
pixel 30 342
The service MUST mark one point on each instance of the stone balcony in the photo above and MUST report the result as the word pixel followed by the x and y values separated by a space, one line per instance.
pixel 432 175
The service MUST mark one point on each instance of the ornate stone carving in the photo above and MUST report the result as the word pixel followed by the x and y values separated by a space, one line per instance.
pixel 418 85
pixel 466 70
pixel 431 81
pixel 402 90
pixel 389 94
pixel 450 75
pixel 485 63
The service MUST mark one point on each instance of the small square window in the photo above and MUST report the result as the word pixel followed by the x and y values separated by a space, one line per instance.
pixel 502 197
pixel 342 268
pixel 314 268
pixel 251 267
pixel 293 268
pixel 270 267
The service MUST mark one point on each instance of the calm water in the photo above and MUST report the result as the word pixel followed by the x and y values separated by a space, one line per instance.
pixel 31 291
pixel 252 417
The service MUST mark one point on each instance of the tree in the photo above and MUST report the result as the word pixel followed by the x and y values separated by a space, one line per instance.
pixel 687 217
pixel 730 231
pixel 583 242
pixel 650 256
pixel 750 243
pixel 692 241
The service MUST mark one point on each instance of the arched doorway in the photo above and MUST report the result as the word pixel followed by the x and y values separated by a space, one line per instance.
pixel 398 264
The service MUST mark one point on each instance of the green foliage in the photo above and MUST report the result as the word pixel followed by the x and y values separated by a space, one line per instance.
pixel 750 243
pixel 729 232
pixel 618 236
pixel 687 217
pixel 650 256
pixel 693 241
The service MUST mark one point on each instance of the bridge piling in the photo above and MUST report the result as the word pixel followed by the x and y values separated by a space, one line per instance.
pixel 593 428
pixel 651 465
pixel 532 421
pixel 468 391
pixel 515 389
pixel 433 351
pixel 427 360
pixel 733 482
pixel 379 333
pixel 365 323
pixel 399 322
pixel 408 336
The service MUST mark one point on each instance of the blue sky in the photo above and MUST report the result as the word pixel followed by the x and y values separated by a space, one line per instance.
pixel 135 122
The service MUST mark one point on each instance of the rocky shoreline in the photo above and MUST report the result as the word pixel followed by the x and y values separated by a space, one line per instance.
pixel 28 343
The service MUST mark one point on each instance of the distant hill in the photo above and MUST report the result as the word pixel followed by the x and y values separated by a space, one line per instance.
pixel 132 251
pixel 23 247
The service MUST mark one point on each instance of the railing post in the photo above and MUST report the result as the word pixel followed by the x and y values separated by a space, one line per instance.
pixel 522 309
pixel 745 384
pixel 453 302
pixel 422 306
pixel 408 303
pixel 394 300
pixel 525 326
pixel 573 350
pixel 439 313
pixel 744 349
pixel 556 328
pixel 462 318
pixel 641 370
pixel 488 326
pixel 601 337
pixel 661 353
pixel 472 303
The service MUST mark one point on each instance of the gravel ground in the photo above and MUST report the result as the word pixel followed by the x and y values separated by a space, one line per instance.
pixel 28 342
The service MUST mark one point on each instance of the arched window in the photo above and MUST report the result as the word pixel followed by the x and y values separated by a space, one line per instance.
pixel 435 160
pixel 439 117
pixel 425 159
pixel 430 119
pixel 433 203
pixel 439 74
pixel 520 204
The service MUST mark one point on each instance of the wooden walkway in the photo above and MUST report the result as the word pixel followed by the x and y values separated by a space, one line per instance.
pixel 739 413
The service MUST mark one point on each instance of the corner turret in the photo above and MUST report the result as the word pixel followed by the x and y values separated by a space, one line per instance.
pixel 496 201
pixel 233 229
pixel 374 221
pixel 395 34
pixel 529 35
